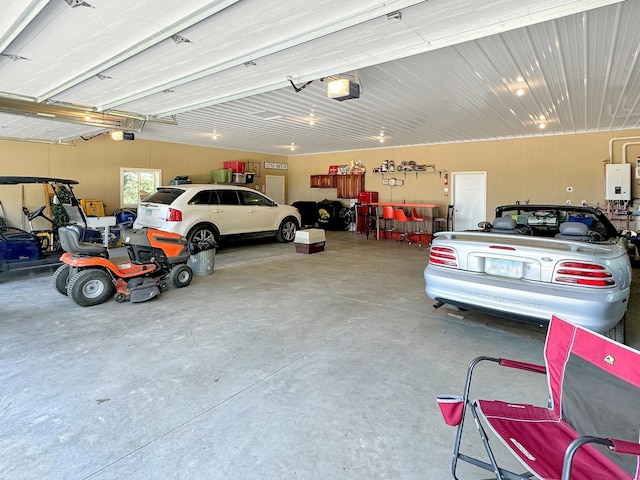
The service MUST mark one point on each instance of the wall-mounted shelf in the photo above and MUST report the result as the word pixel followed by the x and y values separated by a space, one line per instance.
pixel 405 172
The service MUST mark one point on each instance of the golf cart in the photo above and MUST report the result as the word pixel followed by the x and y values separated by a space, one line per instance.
pixel 21 249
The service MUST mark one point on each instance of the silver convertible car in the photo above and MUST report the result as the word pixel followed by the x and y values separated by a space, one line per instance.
pixel 535 261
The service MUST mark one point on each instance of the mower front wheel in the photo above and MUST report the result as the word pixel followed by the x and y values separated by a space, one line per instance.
pixel 61 278
pixel 90 287
pixel 180 276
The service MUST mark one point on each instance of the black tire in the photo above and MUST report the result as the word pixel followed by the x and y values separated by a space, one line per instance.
pixel 617 333
pixel 61 278
pixel 202 233
pixel 180 276
pixel 163 285
pixel 119 297
pixel 287 231
pixel 90 287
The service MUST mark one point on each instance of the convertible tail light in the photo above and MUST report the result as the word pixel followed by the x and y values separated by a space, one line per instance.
pixel 444 256
pixel 174 215
pixel 587 274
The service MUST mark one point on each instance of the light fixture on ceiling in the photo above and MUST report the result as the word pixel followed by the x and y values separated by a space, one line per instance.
pixel 119 135
pixel 293 146
pixel 542 123
pixel 312 119
pixel 381 137
pixel 343 89
pixel 214 136
pixel 520 87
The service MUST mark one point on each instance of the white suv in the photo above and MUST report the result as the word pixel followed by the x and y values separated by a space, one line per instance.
pixel 202 212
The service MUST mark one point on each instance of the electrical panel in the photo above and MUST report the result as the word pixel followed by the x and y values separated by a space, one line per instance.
pixel 617 181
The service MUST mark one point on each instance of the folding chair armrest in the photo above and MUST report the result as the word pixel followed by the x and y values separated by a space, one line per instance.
pixel 530 367
pixel 613 444
pixel 504 362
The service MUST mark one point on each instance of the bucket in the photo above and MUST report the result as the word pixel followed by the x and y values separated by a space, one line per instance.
pixel 202 262
pixel 451 407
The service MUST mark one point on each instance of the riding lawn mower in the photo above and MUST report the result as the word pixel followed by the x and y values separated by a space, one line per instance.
pixel 89 277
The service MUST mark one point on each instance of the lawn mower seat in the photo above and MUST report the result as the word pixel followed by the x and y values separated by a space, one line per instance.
pixel 504 225
pixel 70 241
pixel 574 231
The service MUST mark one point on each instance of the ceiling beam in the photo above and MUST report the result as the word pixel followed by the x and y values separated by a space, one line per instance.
pixel 148 42
pixel 333 26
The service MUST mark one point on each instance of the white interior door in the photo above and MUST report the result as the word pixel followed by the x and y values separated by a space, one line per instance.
pixel 469 199
pixel 274 188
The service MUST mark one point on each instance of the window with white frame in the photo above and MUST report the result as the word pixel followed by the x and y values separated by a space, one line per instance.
pixel 137 183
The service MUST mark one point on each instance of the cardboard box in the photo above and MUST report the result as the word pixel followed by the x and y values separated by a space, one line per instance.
pixel 94 208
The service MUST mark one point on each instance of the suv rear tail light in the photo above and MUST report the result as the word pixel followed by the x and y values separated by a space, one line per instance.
pixel 587 274
pixel 445 256
pixel 174 215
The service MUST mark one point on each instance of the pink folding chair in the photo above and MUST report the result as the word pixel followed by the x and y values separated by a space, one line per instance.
pixel 594 394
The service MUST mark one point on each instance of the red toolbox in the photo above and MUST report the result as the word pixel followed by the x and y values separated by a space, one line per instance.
pixel 236 166
pixel 368 197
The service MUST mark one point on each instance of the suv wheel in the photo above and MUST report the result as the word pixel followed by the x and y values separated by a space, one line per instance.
pixel 202 233
pixel 287 231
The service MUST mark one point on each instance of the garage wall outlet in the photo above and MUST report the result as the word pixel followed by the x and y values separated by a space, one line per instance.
pixel 569 189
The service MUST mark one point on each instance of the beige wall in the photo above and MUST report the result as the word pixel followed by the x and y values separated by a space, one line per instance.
pixel 538 168
pixel 96 164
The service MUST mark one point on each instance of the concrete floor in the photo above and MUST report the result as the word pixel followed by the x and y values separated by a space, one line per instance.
pixel 278 366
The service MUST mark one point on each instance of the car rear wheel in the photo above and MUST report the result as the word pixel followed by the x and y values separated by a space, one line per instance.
pixel 61 279
pixel 617 333
pixel 202 233
pixel 90 287
pixel 287 231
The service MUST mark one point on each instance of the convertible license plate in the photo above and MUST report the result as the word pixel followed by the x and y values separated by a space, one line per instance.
pixel 503 268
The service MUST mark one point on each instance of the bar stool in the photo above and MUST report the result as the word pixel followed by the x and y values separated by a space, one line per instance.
pixel 402 219
pixel 420 224
pixel 389 218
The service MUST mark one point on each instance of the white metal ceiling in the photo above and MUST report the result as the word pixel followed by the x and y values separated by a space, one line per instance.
pixel 445 71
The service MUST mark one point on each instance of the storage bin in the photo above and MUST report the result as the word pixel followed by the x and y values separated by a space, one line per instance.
pixel 222 175
pixel 236 166
pixel 239 178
